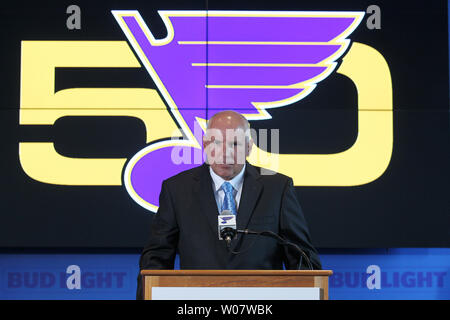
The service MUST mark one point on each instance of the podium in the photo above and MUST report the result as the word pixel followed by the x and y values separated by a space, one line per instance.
pixel 237 284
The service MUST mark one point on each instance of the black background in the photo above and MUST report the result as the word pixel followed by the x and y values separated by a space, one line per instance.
pixel 408 206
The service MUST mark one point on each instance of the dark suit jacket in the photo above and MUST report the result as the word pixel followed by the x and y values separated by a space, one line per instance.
pixel 186 222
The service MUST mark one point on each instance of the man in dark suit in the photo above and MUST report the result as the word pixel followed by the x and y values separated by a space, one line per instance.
pixel 190 202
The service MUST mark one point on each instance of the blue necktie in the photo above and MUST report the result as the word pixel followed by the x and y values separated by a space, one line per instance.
pixel 228 200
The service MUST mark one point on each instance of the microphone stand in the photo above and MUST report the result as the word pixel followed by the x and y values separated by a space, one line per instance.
pixel 283 242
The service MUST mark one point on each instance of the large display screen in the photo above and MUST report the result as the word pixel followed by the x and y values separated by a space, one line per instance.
pixel 101 101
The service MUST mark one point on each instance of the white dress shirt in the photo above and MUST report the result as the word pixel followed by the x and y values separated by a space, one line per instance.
pixel 237 183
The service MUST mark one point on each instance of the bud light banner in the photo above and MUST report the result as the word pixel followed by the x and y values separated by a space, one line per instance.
pixel 68 276
pixel 357 274
pixel 389 274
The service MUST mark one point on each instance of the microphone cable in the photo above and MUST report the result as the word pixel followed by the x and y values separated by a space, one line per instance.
pixel 275 236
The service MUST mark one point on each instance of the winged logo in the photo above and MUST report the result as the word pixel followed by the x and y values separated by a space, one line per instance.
pixel 210 61
pixel 225 219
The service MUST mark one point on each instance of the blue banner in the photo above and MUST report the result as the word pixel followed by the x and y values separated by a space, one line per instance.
pixel 68 276
pixel 389 274
pixel 357 274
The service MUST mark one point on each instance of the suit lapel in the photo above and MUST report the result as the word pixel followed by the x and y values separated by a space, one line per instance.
pixel 206 198
pixel 251 190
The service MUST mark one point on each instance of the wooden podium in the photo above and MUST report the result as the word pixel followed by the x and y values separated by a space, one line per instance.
pixel 248 279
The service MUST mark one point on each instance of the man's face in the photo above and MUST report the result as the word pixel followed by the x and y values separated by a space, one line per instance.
pixel 226 146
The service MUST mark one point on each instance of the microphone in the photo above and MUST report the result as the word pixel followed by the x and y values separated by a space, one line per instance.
pixel 227 226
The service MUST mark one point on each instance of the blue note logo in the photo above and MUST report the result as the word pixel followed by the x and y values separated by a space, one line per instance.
pixel 225 219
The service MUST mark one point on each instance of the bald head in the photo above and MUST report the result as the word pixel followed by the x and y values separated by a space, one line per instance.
pixel 227 143
pixel 230 119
